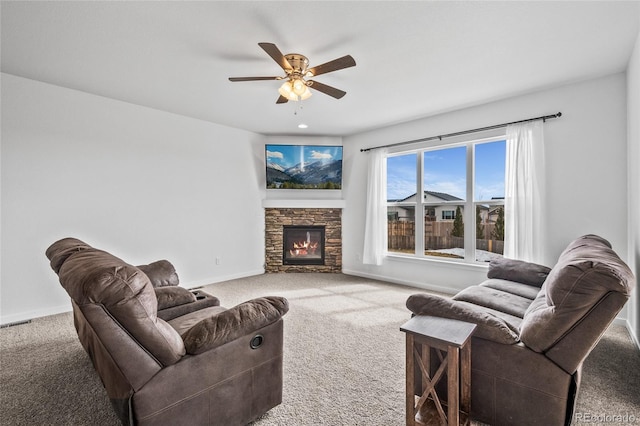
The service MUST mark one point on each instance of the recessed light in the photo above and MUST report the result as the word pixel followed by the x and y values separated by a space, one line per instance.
pixel 302 126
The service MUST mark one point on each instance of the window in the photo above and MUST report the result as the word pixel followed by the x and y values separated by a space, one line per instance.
pixel 460 214
pixel 448 215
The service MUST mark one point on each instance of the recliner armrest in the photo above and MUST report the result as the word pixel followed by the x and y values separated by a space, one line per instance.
pixel 233 323
pixel 490 327
pixel 202 300
pixel 170 296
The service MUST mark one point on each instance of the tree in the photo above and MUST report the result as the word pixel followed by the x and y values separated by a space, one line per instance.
pixel 498 231
pixel 458 224
pixel 479 225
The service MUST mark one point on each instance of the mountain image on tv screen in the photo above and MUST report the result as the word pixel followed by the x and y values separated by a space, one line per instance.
pixel 303 166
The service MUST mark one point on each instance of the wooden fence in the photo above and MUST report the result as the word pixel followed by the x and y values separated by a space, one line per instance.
pixel 493 246
pixel 401 236
pixel 437 236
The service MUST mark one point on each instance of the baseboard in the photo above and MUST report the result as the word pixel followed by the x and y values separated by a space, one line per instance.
pixel 6 320
pixel 219 279
pixel 627 324
pixel 634 338
pixel 417 284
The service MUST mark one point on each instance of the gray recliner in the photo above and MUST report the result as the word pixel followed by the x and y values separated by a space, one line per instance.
pixel 536 326
pixel 204 365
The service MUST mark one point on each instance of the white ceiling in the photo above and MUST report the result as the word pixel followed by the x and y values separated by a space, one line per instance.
pixel 414 59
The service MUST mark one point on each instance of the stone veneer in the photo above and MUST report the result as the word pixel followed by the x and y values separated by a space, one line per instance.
pixel 276 218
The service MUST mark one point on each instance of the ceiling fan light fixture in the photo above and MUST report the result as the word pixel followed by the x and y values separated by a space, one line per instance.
pixel 286 89
pixel 306 94
pixel 295 90
pixel 298 86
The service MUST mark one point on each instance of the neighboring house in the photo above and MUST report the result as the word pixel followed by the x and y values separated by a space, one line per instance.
pixel 493 211
pixel 446 212
pixel 488 213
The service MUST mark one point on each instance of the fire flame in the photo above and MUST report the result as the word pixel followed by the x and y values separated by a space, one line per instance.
pixel 303 248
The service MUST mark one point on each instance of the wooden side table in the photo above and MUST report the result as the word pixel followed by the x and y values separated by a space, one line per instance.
pixel 451 341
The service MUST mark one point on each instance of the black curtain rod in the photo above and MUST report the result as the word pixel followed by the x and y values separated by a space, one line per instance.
pixel 464 132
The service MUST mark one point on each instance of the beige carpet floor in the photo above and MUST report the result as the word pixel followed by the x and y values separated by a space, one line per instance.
pixel 343 361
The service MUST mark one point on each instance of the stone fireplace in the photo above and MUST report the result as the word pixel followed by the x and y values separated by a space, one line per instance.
pixel 313 240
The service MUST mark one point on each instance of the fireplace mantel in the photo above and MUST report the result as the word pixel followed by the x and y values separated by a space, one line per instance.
pixel 302 204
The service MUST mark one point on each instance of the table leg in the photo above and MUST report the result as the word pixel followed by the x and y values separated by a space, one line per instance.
pixel 452 386
pixel 465 379
pixel 410 390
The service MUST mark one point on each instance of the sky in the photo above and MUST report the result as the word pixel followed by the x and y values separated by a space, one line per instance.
pixel 445 171
pixel 291 155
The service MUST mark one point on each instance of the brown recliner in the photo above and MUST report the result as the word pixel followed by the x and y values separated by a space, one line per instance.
pixel 174 301
pixel 209 366
pixel 536 326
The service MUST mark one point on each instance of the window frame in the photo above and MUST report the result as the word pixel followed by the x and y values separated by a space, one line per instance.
pixel 469 203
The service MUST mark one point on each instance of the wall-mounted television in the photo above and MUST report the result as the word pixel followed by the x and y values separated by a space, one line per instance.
pixel 303 166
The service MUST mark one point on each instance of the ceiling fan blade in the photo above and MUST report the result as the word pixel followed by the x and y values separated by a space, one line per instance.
pixel 253 78
pixel 273 51
pixel 328 90
pixel 335 65
pixel 282 100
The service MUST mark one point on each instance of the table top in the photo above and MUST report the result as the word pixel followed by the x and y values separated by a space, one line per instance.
pixel 447 331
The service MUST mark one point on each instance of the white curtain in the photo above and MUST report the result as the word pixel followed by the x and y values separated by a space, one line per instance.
pixel 375 231
pixel 524 192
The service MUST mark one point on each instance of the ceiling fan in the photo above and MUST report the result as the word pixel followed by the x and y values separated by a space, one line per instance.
pixel 296 67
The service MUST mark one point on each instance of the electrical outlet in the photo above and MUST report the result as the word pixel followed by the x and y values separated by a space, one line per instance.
pixel 217 260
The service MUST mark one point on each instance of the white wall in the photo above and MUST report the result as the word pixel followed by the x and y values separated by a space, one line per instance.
pixel 141 183
pixel 586 156
pixel 633 114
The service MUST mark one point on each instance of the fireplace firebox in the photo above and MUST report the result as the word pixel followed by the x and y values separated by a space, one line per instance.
pixel 303 245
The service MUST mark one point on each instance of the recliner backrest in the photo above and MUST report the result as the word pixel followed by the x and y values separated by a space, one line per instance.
pixel 589 279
